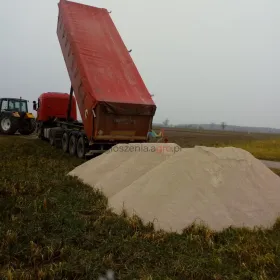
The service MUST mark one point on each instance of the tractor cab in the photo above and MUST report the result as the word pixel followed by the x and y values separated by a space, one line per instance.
pixel 13 105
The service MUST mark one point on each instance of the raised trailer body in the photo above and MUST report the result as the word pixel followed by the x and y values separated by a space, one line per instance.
pixel 114 104
pixel 112 98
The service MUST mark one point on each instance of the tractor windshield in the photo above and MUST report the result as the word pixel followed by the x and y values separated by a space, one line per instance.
pixel 17 105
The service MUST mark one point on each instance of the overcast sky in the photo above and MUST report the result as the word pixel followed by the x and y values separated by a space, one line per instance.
pixel 205 61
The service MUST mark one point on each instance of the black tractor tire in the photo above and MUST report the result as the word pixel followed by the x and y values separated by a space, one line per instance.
pixel 81 147
pixel 73 145
pixel 8 125
pixel 28 127
pixel 65 142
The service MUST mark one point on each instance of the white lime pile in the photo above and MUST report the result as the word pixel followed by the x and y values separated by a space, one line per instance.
pixel 175 187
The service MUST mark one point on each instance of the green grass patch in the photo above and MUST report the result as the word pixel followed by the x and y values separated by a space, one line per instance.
pixel 54 227
pixel 268 149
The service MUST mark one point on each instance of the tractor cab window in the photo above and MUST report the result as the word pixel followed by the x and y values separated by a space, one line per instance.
pixel 11 105
pixel 4 105
pixel 24 107
pixel 18 106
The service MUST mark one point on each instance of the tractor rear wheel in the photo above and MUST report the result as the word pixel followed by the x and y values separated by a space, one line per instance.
pixel 8 125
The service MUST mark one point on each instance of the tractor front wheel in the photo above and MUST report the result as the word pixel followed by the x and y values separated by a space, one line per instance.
pixel 28 127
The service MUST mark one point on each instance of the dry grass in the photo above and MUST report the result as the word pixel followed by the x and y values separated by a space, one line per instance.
pixel 262 149
pixel 54 227
pixel 276 171
pixel 190 138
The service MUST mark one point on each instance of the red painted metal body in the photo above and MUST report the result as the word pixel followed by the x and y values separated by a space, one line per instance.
pixel 112 98
pixel 55 105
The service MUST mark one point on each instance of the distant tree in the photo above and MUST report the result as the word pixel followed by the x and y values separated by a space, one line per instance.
pixel 166 122
pixel 223 125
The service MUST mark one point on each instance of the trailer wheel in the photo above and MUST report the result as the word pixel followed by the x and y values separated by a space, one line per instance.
pixel 65 142
pixel 72 145
pixel 81 147
pixel 52 137
pixel 40 131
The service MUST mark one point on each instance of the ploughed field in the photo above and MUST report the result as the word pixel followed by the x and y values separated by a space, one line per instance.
pixel 261 145
pixel 190 138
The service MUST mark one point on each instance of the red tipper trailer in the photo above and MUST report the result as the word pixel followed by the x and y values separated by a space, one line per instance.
pixel 112 98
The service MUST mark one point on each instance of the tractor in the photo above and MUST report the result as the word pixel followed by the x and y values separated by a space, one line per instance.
pixel 14 117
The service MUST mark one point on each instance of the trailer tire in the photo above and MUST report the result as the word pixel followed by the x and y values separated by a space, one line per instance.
pixel 40 131
pixel 65 142
pixel 73 145
pixel 52 137
pixel 81 147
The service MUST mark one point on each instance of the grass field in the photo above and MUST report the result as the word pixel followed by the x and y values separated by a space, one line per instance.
pixel 54 227
pixel 262 146
pixel 262 149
